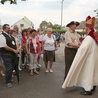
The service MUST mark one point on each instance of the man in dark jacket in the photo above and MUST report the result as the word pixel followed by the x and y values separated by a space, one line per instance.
pixel 8 51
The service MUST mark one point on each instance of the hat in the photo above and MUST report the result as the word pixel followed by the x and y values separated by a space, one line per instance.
pixel 73 23
pixel 90 22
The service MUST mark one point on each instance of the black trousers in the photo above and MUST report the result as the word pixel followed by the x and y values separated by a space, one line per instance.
pixel 9 63
pixel 69 56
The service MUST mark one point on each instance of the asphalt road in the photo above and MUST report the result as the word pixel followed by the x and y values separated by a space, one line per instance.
pixel 44 85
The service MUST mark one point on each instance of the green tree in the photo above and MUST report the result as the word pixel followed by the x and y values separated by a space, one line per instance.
pixel 96 11
pixel 49 24
pixel 11 1
pixel 56 26
pixel 44 24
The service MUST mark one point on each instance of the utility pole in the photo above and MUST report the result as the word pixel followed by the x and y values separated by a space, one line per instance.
pixel 61 12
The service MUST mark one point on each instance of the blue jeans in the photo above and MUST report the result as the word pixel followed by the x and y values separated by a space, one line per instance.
pixel 9 62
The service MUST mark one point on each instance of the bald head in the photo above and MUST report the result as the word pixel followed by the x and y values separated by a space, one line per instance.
pixel 16 28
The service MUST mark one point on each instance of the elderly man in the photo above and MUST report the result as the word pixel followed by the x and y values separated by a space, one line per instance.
pixel 19 37
pixel 84 69
pixel 72 43
pixel 8 51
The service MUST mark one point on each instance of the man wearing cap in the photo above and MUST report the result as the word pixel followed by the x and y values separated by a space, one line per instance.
pixel 84 69
pixel 72 43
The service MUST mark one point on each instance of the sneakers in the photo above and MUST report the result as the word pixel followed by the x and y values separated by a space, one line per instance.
pixel 39 65
pixel 51 70
pixel 9 85
pixel 46 70
pixel 13 70
pixel 19 68
pixel 2 74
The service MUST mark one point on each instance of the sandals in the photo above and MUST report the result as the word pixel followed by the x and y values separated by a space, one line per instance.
pixel 36 72
pixel 31 73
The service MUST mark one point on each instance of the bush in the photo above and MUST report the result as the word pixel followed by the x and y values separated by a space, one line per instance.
pixel 59 31
pixel 81 33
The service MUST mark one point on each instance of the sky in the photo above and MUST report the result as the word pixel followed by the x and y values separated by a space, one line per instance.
pixel 48 10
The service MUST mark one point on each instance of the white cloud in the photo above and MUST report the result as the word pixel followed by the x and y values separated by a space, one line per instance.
pixel 49 10
pixel 79 10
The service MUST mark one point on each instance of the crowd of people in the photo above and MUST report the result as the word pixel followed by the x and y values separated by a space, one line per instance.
pixel 25 48
pixel 18 49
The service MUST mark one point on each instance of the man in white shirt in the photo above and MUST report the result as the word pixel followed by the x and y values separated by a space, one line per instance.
pixel 8 51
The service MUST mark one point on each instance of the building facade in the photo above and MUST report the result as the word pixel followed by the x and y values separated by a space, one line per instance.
pixel 24 23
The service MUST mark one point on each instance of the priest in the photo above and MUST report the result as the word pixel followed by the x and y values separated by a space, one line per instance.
pixel 84 69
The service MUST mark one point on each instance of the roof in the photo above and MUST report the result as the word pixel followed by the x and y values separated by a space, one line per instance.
pixel 26 20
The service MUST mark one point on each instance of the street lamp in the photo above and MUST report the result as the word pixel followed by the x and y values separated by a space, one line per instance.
pixel 61 12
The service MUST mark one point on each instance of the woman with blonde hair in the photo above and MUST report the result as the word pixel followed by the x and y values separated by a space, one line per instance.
pixel 49 46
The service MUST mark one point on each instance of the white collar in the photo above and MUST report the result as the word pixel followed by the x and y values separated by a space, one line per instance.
pixel 5 32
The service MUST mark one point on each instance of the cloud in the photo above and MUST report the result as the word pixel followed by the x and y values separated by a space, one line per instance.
pixel 49 10
pixel 78 10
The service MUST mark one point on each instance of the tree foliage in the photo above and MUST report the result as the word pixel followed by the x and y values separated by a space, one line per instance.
pixel 56 27
pixel 45 25
pixel 11 1
pixel 96 11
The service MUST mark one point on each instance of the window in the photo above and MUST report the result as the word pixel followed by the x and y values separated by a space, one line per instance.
pixel 21 25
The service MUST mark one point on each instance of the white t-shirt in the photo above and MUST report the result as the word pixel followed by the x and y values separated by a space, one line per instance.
pixel 49 43
pixel 40 37
pixel 2 41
